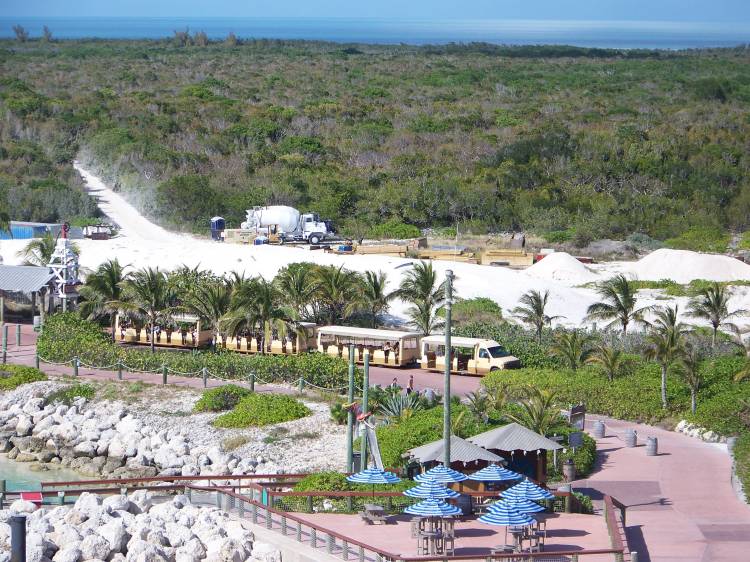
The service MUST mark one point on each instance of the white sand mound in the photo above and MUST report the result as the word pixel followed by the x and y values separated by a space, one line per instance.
pixel 684 266
pixel 561 266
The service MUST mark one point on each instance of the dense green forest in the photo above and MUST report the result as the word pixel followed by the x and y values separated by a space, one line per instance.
pixel 568 143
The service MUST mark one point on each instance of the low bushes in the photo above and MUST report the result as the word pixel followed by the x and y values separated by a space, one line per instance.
pixel 13 376
pixel 263 409
pixel 67 335
pixel 219 399
pixel 67 394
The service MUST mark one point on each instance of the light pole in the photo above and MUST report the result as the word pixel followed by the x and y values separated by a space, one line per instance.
pixel 350 415
pixel 448 364
pixel 365 406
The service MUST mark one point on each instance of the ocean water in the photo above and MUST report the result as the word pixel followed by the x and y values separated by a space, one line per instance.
pixel 18 477
pixel 609 34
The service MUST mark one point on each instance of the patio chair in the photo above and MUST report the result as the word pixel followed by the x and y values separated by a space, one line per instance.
pixel 449 541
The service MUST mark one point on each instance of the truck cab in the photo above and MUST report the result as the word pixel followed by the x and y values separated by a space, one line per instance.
pixel 312 229
pixel 471 356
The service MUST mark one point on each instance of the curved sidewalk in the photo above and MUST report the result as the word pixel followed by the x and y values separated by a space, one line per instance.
pixel 681 504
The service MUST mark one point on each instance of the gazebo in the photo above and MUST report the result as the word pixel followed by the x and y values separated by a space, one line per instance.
pixel 463 453
pixel 24 290
pixel 524 450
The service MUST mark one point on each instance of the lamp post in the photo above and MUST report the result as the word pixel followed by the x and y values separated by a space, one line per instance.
pixel 350 415
pixel 448 364
pixel 365 405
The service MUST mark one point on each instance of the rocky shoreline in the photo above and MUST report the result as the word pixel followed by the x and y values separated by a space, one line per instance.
pixel 157 437
pixel 133 528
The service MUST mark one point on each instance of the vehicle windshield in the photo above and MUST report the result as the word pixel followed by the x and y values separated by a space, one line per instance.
pixel 498 351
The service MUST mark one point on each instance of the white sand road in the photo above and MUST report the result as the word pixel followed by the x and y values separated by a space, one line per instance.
pixel 142 243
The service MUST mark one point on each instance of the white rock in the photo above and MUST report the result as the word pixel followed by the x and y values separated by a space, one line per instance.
pixel 264 552
pixel 95 547
pixel 24 426
pixel 115 534
pixel 22 506
pixel 118 502
pixel 71 553
pixel 88 503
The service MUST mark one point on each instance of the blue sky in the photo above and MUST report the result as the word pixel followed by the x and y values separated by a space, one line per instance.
pixel 676 10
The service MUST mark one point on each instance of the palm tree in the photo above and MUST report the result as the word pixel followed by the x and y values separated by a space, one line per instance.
pixel 618 304
pixel 375 295
pixel 102 292
pixel 147 293
pixel 665 343
pixel 421 289
pixel 39 250
pixel 210 301
pixel 5 223
pixel 609 359
pixel 338 290
pixel 572 348
pixel 534 311
pixel 712 304
pixel 690 372
pixel 297 284
pixel 257 304
pixel 538 411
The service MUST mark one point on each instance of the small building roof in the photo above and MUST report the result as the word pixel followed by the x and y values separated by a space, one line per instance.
pixel 366 333
pixel 461 451
pixel 24 278
pixel 513 437
pixel 456 341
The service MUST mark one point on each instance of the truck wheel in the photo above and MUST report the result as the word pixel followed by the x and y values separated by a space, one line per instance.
pixel 315 238
pixel 493 369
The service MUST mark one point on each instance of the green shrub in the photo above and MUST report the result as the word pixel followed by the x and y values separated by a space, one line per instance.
pixel 519 342
pixel 263 409
pixel 13 376
pixel 476 310
pixel 701 239
pixel 584 502
pixel 219 399
pixel 329 481
pixel 742 460
pixel 67 394
pixel 422 427
pixel 339 414
pixel 394 229
pixel 584 457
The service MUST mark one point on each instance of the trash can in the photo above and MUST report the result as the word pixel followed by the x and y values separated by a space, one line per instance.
pixel 631 438
pixel 652 446
pixel 569 470
pixel 598 429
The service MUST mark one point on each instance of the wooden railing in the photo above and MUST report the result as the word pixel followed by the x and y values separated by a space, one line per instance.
pixel 252 505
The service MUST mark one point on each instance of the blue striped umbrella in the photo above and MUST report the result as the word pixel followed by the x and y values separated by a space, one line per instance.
pixel 431 488
pixel 441 474
pixel 373 475
pixel 494 473
pixel 432 507
pixel 506 516
pixel 519 504
pixel 527 489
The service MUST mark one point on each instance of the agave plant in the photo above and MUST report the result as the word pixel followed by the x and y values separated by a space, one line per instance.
pixel 400 407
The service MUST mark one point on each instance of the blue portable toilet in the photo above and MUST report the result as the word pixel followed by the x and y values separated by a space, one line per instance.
pixel 218 224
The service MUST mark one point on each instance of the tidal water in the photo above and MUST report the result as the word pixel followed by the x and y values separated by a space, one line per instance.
pixel 17 475
pixel 605 34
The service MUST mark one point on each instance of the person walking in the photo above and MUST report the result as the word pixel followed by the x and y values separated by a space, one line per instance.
pixel 410 386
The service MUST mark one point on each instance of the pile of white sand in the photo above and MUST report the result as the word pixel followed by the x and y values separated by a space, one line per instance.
pixel 684 266
pixel 561 266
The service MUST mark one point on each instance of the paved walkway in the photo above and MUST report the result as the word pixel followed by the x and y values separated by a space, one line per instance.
pixel 681 505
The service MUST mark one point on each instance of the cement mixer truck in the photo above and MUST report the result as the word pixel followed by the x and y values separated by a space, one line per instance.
pixel 288 224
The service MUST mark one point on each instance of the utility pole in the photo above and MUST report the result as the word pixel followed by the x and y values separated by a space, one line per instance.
pixel 448 364
pixel 350 415
pixel 365 405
